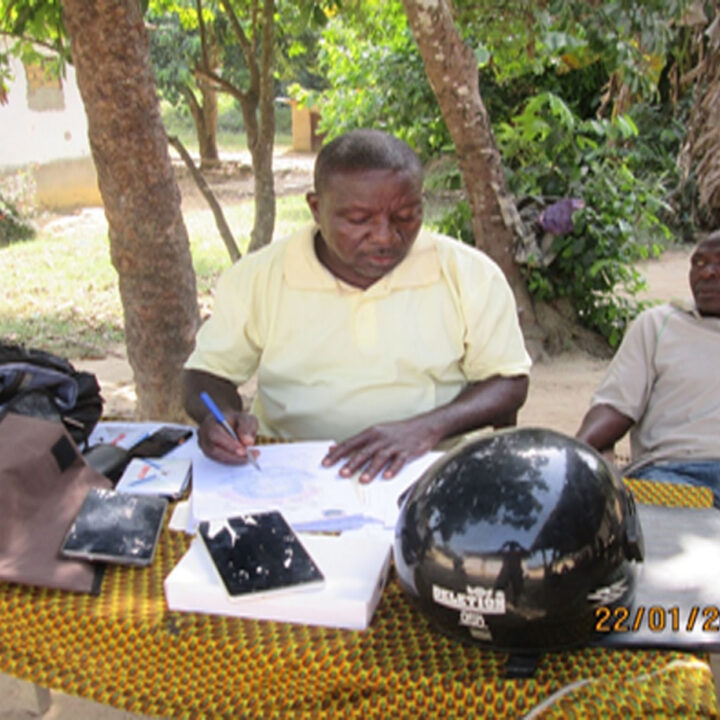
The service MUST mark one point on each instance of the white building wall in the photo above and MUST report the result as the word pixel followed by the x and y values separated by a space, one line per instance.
pixel 41 135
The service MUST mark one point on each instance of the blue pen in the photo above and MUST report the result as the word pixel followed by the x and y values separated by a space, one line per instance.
pixel 218 415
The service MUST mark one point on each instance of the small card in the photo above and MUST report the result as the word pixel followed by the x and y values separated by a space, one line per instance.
pixel 168 477
pixel 116 527
pixel 258 554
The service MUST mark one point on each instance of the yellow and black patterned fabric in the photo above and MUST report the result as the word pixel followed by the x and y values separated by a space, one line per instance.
pixel 124 648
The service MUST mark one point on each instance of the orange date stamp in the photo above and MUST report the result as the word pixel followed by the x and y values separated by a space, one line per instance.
pixel 657 618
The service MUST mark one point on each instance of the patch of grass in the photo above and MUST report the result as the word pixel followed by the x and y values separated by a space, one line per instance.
pixel 231 130
pixel 68 335
pixel 60 290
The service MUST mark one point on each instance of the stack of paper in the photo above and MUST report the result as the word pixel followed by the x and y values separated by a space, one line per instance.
pixel 292 480
pixel 355 566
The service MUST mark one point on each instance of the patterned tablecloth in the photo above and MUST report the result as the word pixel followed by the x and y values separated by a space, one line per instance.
pixel 125 648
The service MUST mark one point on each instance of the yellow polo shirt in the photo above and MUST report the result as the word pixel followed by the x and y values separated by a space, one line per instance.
pixel 333 359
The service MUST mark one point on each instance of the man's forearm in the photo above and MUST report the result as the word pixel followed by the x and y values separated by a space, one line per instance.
pixel 494 401
pixel 603 426
pixel 222 391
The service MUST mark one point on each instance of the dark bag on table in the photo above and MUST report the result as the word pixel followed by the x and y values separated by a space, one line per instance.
pixel 43 482
pixel 40 384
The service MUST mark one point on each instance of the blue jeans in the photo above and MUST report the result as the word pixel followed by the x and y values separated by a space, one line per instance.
pixel 702 473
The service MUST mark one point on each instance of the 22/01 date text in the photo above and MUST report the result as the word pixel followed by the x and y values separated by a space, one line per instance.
pixel 657 618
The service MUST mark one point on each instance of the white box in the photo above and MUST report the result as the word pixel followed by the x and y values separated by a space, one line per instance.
pixel 355 565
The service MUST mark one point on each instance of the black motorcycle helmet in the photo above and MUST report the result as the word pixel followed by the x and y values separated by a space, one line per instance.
pixel 514 539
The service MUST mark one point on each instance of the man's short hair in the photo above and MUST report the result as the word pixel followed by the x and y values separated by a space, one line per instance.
pixel 364 150
pixel 707 237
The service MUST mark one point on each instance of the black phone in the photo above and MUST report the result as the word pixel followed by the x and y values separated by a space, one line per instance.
pixel 257 554
pixel 160 442
pixel 116 527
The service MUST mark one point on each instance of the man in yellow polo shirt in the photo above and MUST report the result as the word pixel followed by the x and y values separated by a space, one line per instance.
pixel 363 329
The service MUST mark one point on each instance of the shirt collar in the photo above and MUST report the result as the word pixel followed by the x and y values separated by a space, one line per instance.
pixel 689 307
pixel 685 305
pixel 304 271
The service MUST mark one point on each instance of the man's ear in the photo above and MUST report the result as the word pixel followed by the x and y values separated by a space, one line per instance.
pixel 313 201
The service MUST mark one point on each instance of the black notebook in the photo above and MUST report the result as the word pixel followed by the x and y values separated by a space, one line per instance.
pixel 257 554
pixel 116 527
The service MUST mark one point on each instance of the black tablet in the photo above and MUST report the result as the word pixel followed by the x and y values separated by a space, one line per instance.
pixel 257 554
pixel 116 527
pixel 160 442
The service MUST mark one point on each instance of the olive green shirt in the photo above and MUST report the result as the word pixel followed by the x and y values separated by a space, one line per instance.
pixel 666 377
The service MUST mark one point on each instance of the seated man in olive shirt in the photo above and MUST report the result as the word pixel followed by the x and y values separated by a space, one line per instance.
pixel 363 328
pixel 663 385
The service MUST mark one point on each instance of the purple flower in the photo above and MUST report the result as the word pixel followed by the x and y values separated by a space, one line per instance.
pixel 557 218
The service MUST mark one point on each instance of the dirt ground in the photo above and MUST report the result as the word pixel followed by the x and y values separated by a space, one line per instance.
pixel 560 389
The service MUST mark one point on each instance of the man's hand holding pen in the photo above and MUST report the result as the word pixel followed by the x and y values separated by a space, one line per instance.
pixel 228 436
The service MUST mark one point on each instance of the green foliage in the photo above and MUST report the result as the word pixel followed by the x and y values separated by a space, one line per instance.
pixel 654 158
pixel 569 48
pixel 630 37
pixel 13 227
pixel 522 38
pixel 174 52
pixel 177 55
pixel 552 153
pixel 457 223
pixel 297 42
pixel 176 45
pixel 547 72
pixel 33 24
pixel 34 21
pixel 377 79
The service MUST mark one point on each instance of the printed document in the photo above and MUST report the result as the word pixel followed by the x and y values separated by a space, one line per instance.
pixel 292 480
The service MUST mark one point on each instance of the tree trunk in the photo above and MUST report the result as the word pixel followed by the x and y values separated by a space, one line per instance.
pixel 261 152
pixel 256 102
pixel 204 188
pixel 148 241
pixel 205 117
pixel 452 71
pixel 260 140
pixel 263 140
